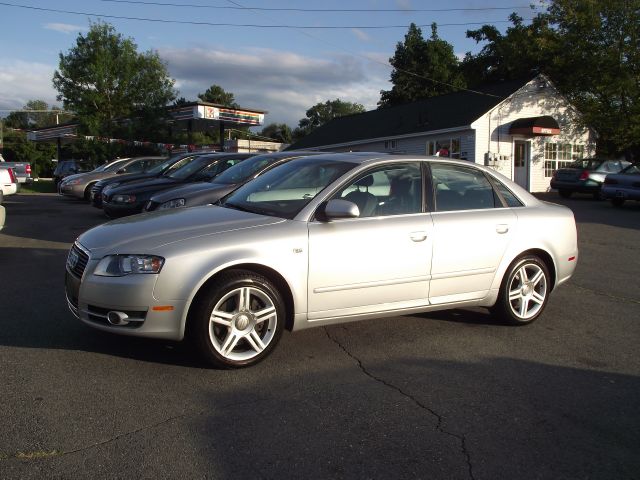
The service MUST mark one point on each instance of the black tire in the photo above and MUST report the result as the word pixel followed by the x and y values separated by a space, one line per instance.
pixel 87 192
pixel 518 309
pixel 617 202
pixel 251 339
pixel 1 197
pixel 597 195
pixel 565 193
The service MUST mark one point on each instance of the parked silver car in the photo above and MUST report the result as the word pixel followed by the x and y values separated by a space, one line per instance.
pixel 585 176
pixel 322 240
pixel 79 185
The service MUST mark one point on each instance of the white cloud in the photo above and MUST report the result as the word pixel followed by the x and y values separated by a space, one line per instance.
pixel 64 27
pixel 284 83
pixel 404 4
pixel 361 35
pixel 22 81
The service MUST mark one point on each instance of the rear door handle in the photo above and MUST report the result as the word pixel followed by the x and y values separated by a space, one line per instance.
pixel 418 236
pixel 502 228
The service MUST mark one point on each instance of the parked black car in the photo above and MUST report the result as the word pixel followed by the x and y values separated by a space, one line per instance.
pixel 204 193
pixel 131 197
pixel 170 165
pixel 585 176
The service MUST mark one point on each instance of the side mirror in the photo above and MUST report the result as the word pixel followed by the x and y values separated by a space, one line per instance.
pixel 338 208
pixel 122 170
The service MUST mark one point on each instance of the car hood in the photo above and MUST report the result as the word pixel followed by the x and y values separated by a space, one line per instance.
pixel 190 190
pixel 144 185
pixel 75 175
pixel 146 232
pixel 123 178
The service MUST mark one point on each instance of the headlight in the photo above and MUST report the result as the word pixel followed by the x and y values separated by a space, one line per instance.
pixel 175 203
pixel 120 265
pixel 72 182
pixel 123 199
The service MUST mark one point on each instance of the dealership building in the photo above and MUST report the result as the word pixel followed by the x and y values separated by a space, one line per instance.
pixel 522 129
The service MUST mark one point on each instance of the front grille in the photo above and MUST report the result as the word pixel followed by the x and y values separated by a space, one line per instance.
pixel 77 261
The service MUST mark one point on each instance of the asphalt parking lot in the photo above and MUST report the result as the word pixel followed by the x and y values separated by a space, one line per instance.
pixel 449 395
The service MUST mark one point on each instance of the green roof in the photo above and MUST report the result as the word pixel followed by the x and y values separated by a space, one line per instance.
pixel 451 110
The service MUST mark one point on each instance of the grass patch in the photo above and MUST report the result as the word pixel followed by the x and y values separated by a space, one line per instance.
pixel 41 186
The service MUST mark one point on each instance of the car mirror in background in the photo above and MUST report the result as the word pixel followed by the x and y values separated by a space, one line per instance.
pixel 122 170
pixel 338 208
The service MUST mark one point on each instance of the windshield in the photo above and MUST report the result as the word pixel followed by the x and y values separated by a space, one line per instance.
pixel 586 163
pixel 288 188
pixel 115 165
pixel 166 166
pixel 633 169
pixel 241 172
pixel 188 166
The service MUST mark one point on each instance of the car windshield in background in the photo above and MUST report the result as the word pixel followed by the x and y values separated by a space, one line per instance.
pixel 586 163
pixel 287 189
pixel 188 167
pixel 633 169
pixel 244 170
pixel 113 166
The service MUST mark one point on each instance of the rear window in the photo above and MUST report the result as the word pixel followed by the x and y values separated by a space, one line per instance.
pixel 586 163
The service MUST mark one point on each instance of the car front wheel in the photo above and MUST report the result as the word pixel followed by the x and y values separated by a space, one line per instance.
pixel 617 202
pixel 524 291
pixel 239 320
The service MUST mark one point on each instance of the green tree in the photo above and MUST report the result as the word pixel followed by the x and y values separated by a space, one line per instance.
pixel 42 116
pixel 421 69
pixel 598 67
pixel 591 51
pixel 111 87
pixel 322 113
pixel 521 52
pixel 280 132
pixel 217 94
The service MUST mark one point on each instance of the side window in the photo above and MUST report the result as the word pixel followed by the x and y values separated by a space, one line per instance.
pixel 509 198
pixel 461 188
pixel 389 190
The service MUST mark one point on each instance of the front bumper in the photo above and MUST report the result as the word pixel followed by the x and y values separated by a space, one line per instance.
pixel 115 210
pixel 92 297
pixel 71 190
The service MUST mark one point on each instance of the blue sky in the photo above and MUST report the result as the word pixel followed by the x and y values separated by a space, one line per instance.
pixel 282 70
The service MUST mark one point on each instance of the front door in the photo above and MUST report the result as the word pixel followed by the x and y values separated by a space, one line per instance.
pixel 381 260
pixel 521 163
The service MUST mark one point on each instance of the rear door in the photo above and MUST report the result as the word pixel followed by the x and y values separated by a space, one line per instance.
pixel 471 231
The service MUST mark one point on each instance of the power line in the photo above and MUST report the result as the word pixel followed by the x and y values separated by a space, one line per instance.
pixel 321 10
pixel 385 64
pixel 244 25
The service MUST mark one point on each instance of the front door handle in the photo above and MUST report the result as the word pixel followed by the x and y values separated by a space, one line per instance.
pixel 418 236
pixel 502 228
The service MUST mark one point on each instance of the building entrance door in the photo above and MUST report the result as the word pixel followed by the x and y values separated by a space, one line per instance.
pixel 521 163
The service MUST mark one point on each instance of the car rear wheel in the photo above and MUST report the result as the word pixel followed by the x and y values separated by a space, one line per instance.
pixel 524 291
pixel 565 193
pixel 1 197
pixel 617 202
pixel 238 321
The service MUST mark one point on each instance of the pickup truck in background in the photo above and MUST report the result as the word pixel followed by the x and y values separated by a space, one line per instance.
pixel 22 170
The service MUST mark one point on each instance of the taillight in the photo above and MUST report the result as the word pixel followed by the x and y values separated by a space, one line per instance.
pixel 12 176
pixel 28 169
pixel 584 175
pixel 610 181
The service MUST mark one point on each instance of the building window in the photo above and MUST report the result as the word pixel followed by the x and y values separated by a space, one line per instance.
pixel 559 155
pixel 390 144
pixel 444 147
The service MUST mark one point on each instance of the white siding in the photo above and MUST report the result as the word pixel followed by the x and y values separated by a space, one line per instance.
pixel 536 98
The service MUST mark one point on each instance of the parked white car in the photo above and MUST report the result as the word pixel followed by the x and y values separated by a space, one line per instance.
pixel 8 182
pixel 322 240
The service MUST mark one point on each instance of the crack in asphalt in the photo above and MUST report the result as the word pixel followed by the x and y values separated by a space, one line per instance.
pixel 439 427
pixel 604 294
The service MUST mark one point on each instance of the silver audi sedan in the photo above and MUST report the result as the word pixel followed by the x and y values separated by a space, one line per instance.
pixel 323 240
